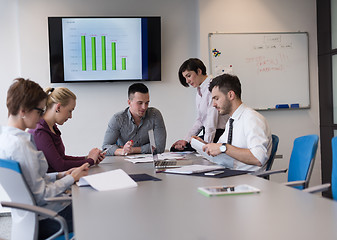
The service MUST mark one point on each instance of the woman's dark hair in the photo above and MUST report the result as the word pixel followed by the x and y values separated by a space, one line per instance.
pixel 192 64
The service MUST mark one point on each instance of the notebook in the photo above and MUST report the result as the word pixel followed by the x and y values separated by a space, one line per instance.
pixel 159 163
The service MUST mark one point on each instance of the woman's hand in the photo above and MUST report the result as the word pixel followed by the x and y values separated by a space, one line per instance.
pixel 199 139
pixel 179 145
pixel 101 156
pixel 79 172
pixel 95 155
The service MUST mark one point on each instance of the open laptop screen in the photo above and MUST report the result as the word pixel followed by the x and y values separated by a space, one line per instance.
pixel 153 145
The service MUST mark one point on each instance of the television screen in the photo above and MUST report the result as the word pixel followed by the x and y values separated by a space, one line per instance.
pixel 104 49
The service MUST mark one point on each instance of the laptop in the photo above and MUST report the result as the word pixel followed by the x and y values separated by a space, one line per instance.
pixel 159 163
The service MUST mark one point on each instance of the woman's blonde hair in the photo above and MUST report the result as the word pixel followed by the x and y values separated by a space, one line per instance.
pixel 59 95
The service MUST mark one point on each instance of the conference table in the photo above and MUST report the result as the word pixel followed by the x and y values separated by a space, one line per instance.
pixel 174 209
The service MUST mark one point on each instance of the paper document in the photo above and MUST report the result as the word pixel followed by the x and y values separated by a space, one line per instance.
pixel 223 158
pixel 111 180
pixel 189 169
pixel 171 155
pixel 149 157
pixel 140 160
pixel 139 156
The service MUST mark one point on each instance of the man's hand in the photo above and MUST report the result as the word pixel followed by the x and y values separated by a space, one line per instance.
pixel 127 148
pixel 212 149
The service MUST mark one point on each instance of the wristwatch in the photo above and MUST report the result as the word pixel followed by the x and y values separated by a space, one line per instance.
pixel 223 148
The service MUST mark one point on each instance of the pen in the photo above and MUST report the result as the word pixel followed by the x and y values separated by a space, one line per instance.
pixel 130 143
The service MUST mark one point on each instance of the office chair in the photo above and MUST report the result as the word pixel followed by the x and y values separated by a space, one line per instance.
pixel 275 141
pixel 301 162
pixel 25 212
pixel 333 185
pixel 334 168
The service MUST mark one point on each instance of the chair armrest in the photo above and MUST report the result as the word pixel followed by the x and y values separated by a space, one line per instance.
pixel 42 211
pixel 58 199
pixel 295 183
pixel 319 188
pixel 267 173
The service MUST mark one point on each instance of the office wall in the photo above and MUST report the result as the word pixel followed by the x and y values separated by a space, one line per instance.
pixel 9 48
pixel 185 25
pixel 248 16
pixel 9 67
pixel 98 102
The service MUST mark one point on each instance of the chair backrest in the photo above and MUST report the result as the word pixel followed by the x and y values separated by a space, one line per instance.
pixel 334 168
pixel 275 141
pixel 269 164
pixel 302 159
pixel 24 223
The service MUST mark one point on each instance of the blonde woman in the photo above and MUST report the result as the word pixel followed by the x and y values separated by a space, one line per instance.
pixel 61 103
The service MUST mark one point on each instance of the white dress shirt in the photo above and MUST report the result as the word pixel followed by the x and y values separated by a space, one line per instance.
pixel 250 130
pixel 207 115
pixel 19 146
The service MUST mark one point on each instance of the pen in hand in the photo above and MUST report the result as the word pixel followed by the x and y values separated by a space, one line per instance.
pixel 128 146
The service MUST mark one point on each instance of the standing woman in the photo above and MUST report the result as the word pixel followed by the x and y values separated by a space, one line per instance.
pixel 26 101
pixel 193 73
pixel 61 103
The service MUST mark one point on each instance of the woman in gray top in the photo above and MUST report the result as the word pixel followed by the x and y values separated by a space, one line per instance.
pixel 26 102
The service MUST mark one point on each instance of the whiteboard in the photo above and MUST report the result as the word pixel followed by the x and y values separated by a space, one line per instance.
pixel 273 68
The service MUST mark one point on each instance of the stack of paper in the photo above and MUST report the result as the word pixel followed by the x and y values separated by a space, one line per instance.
pixel 111 180
pixel 138 156
pixel 140 159
pixel 223 158
pixel 144 158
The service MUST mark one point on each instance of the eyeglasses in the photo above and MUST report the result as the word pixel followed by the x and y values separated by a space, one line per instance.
pixel 40 110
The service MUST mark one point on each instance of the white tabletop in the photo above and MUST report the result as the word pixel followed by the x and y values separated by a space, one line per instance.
pixel 174 209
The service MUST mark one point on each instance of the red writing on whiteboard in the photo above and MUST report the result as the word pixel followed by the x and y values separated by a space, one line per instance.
pixel 268 64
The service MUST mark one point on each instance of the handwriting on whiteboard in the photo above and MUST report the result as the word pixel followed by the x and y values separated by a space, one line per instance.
pixel 269 64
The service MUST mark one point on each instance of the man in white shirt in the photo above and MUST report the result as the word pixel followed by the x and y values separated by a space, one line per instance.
pixel 247 143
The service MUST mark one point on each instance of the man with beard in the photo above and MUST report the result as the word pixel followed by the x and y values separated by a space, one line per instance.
pixel 246 142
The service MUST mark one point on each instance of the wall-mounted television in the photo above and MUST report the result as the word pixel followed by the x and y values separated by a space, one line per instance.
pixel 104 49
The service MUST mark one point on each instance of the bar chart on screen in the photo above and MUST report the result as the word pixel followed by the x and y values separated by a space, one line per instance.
pixel 110 48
